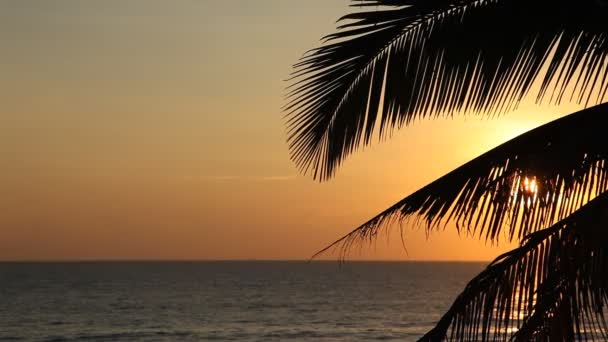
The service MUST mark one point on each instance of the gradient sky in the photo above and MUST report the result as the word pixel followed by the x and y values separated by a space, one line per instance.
pixel 147 129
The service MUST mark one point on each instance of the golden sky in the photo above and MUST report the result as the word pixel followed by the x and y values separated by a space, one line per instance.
pixel 150 129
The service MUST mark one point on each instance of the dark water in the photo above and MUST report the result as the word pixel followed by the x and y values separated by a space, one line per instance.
pixel 224 301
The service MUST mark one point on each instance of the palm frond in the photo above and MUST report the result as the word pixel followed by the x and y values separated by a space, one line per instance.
pixel 553 285
pixel 423 58
pixel 519 187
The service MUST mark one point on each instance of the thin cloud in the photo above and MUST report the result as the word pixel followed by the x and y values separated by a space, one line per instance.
pixel 227 178
pixel 279 178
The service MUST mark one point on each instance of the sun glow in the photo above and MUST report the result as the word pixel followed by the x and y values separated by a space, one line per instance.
pixel 530 186
pixel 526 189
pixel 529 189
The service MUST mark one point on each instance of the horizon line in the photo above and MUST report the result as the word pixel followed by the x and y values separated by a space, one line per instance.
pixel 342 261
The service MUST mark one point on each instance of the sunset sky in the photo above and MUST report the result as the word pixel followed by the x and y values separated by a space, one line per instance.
pixel 148 129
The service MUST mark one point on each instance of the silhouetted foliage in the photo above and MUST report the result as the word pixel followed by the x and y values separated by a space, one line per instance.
pixel 553 287
pixel 424 58
pixel 401 60
pixel 521 186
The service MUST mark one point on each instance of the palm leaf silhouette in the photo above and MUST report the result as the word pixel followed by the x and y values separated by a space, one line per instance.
pixel 557 276
pixel 423 58
pixel 413 59
pixel 523 185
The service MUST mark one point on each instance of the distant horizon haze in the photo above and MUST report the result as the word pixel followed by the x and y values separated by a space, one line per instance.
pixel 238 261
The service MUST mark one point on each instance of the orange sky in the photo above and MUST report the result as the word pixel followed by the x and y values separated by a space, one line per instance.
pixel 152 130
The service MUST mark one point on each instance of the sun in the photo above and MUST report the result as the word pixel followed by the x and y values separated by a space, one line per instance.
pixel 530 185
pixel 525 188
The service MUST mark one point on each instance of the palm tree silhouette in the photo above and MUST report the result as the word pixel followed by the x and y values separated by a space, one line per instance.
pixel 547 189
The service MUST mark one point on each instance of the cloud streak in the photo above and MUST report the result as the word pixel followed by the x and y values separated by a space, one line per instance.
pixel 228 178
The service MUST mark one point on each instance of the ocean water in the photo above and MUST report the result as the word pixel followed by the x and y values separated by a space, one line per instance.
pixel 226 301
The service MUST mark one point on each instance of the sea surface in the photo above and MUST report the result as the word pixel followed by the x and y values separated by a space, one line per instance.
pixel 226 301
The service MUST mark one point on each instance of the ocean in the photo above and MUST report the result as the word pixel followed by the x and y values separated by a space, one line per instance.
pixel 226 301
